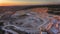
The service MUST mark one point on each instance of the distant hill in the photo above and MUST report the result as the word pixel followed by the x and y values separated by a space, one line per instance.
pixel 51 8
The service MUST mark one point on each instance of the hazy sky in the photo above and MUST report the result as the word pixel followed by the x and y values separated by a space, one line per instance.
pixel 16 2
pixel 32 0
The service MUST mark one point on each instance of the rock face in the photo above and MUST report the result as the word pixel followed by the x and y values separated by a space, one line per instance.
pixel 26 21
pixel 22 22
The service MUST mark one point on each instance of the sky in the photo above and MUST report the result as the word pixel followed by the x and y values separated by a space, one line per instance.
pixel 27 2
